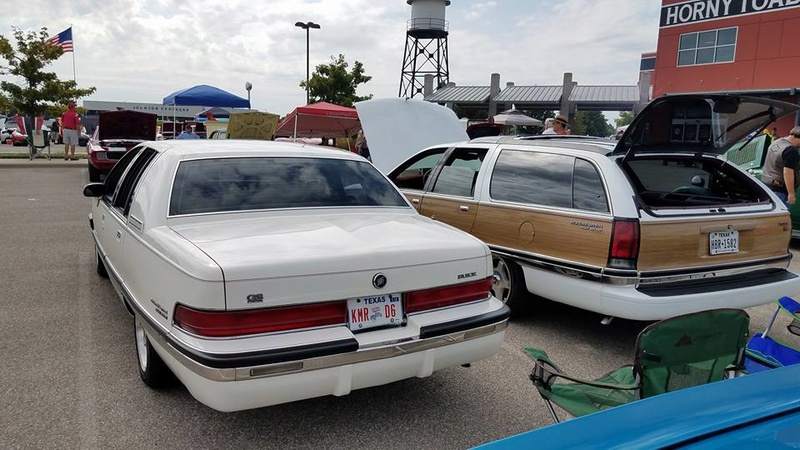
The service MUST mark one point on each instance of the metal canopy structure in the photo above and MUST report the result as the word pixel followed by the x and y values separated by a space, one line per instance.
pixel 584 98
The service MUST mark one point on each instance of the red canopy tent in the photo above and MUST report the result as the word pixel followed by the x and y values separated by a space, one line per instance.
pixel 320 120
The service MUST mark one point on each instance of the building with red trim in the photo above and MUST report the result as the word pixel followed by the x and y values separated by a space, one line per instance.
pixel 738 46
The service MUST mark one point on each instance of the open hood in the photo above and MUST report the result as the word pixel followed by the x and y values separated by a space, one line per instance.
pixel 398 128
pixel 698 123
pixel 127 125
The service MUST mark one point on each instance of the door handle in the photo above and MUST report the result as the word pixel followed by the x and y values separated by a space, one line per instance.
pixel 415 200
pixel 119 235
pixel 464 208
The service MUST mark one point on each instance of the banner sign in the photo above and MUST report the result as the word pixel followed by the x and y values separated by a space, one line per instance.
pixel 703 10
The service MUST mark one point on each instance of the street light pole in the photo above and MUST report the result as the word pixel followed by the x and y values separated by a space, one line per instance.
pixel 307 26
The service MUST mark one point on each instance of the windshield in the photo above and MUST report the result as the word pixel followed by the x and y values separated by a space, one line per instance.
pixel 251 183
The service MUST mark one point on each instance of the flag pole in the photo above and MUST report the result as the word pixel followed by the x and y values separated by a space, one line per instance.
pixel 74 77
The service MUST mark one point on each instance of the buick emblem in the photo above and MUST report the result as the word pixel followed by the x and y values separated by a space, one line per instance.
pixel 379 281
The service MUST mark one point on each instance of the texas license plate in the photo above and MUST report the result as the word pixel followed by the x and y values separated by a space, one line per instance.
pixel 721 242
pixel 375 311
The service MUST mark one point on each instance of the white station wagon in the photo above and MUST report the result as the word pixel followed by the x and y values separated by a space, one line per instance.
pixel 260 273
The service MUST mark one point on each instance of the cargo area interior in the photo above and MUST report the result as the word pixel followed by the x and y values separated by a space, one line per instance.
pixel 686 181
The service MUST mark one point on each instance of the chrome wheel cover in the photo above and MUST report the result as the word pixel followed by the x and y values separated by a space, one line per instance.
pixel 501 280
pixel 141 345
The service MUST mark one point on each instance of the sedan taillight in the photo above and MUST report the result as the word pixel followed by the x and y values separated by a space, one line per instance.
pixel 440 297
pixel 239 323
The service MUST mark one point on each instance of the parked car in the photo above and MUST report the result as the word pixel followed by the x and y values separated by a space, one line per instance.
pixel 263 272
pixel 5 135
pixel 759 411
pixel 750 155
pixel 219 134
pixel 116 133
pixel 651 226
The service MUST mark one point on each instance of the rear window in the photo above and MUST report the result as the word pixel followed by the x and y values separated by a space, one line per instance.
pixel 686 182
pixel 240 184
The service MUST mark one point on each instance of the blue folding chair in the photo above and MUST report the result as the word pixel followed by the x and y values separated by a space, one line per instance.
pixel 764 352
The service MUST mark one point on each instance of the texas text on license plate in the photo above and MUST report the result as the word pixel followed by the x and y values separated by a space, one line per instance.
pixel 375 311
pixel 721 242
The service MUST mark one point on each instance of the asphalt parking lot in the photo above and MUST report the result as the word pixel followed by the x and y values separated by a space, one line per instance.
pixel 69 368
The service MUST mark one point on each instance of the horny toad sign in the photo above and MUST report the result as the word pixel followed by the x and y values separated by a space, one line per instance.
pixel 702 10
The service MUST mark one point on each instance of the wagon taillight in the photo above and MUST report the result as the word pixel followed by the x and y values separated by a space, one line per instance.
pixel 624 244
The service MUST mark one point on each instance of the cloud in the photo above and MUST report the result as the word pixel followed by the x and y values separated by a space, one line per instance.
pixel 142 50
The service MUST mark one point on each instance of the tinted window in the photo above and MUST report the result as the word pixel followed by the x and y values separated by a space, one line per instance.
pixel 236 184
pixel 587 188
pixel 112 180
pixel 460 172
pixel 414 173
pixel 535 178
pixel 125 194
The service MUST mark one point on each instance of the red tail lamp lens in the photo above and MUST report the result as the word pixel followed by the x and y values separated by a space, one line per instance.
pixel 624 244
pixel 447 296
pixel 240 323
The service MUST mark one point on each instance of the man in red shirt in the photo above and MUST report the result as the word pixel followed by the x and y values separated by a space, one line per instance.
pixel 70 124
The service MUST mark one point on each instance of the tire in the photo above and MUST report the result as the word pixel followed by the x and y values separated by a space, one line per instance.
pixel 152 369
pixel 94 174
pixel 101 268
pixel 509 285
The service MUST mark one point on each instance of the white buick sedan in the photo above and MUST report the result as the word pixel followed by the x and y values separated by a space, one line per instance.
pixel 260 273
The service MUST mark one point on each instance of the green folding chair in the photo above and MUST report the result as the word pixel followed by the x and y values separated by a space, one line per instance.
pixel 672 354
pixel 39 144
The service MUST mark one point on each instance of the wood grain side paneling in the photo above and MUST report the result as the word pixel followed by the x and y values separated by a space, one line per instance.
pixel 554 234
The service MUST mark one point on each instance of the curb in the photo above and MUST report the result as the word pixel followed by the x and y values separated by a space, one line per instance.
pixel 22 163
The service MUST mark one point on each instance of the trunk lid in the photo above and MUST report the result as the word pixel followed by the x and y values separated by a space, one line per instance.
pixel 698 123
pixel 127 126
pixel 311 256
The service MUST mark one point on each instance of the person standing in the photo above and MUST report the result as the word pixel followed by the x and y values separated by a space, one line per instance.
pixel 70 124
pixel 362 147
pixel 54 132
pixel 781 166
pixel 560 125
pixel 187 133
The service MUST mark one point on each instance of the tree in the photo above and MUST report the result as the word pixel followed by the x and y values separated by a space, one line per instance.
pixel 625 118
pixel 591 123
pixel 332 82
pixel 39 91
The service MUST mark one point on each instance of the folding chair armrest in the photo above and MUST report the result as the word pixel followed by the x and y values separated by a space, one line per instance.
pixel 597 384
pixel 790 305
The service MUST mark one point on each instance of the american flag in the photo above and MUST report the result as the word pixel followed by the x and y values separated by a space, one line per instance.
pixel 63 40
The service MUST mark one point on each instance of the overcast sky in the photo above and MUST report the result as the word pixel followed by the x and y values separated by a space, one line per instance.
pixel 143 50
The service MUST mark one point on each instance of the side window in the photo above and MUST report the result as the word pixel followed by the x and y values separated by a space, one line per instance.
pixel 122 200
pixel 587 188
pixel 113 178
pixel 414 173
pixel 531 177
pixel 460 172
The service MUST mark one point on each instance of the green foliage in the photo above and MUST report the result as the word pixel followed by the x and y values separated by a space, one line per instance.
pixel 39 91
pixel 332 83
pixel 591 123
pixel 625 118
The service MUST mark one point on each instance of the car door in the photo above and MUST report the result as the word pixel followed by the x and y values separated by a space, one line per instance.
pixel 108 222
pixel 129 228
pixel 451 196
pixel 411 176
pixel 546 206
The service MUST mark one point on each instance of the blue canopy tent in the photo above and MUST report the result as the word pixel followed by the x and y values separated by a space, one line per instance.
pixel 204 95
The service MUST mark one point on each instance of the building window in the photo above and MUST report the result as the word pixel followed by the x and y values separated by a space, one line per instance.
pixel 707 47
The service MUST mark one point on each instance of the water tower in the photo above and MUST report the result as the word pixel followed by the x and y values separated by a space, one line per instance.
pixel 426 47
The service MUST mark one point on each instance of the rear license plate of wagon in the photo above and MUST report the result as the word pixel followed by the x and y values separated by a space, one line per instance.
pixel 375 311
pixel 722 242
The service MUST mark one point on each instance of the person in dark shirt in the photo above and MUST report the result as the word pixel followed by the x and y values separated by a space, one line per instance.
pixel 781 166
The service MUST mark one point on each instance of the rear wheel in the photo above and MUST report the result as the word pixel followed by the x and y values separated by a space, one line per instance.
pixel 508 285
pixel 152 369
pixel 94 174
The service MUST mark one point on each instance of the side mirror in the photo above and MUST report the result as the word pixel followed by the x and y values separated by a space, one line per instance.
pixel 94 190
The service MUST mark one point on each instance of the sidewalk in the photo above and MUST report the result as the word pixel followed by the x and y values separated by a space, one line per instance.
pixel 11 156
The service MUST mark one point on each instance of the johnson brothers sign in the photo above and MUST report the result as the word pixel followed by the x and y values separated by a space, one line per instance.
pixel 702 10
